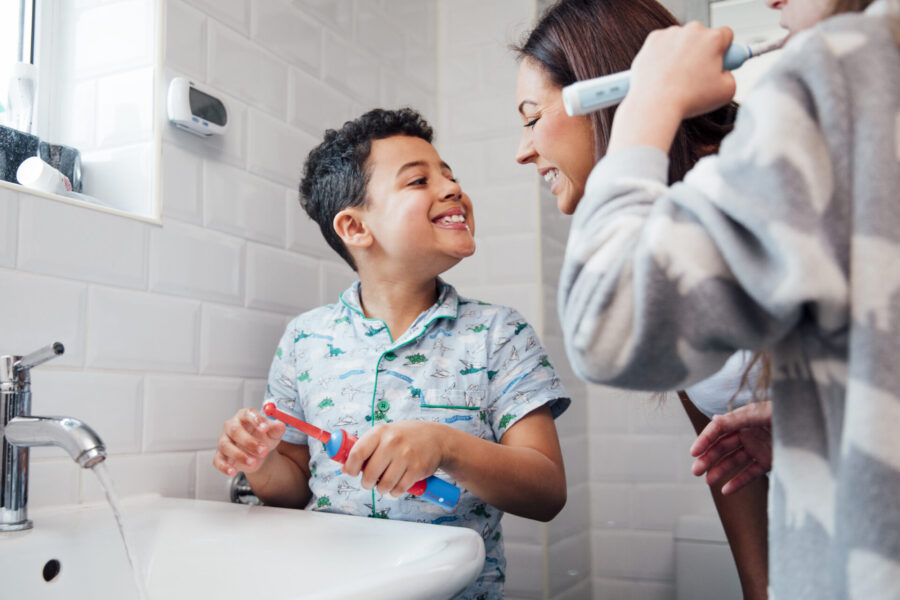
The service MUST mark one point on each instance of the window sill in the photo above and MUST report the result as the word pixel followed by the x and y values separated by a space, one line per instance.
pixel 15 187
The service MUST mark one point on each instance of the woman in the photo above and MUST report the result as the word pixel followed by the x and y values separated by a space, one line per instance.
pixel 581 39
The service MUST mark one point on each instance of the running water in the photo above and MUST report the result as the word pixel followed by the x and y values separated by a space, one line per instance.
pixel 106 482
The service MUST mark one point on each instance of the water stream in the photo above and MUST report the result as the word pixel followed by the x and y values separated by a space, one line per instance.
pixel 106 482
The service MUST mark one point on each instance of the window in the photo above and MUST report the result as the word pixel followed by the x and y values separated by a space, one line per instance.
pixel 97 66
pixel 16 42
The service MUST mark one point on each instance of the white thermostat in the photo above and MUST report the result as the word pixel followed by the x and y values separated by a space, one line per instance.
pixel 194 110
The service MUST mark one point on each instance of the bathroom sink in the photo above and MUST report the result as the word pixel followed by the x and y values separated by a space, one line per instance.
pixel 200 549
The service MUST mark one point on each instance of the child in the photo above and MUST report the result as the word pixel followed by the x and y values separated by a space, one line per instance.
pixel 427 380
pixel 786 240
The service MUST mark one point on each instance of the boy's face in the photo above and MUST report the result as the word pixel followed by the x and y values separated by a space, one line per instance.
pixel 417 213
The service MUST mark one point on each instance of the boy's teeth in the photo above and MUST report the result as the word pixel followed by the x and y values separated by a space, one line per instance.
pixel 453 219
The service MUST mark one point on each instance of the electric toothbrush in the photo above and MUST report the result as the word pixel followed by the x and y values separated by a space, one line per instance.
pixel 338 445
pixel 583 97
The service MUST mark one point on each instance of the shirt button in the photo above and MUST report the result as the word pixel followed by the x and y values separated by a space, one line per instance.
pixel 383 405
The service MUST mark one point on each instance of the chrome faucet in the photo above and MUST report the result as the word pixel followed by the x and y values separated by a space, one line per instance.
pixel 19 431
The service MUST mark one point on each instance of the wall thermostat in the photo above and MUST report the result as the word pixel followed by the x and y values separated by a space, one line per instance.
pixel 195 110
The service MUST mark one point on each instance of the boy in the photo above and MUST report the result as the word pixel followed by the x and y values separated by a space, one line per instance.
pixel 426 379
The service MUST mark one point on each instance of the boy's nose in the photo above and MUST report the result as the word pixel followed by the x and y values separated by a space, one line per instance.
pixel 453 191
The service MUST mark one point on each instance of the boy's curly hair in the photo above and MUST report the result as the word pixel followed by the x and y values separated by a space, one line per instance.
pixel 335 175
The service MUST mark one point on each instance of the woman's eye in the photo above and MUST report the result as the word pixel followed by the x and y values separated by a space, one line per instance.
pixel 532 122
pixel 419 181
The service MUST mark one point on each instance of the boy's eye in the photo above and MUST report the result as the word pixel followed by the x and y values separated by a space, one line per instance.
pixel 419 181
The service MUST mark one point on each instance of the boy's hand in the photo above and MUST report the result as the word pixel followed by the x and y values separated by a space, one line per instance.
pixel 681 67
pixel 246 439
pixel 394 456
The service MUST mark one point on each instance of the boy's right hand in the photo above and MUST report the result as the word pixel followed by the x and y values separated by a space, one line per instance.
pixel 246 439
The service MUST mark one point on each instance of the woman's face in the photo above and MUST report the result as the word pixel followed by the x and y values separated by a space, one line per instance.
pixel 560 146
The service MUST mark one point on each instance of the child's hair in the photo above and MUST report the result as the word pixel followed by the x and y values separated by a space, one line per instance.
pixel 582 39
pixel 335 176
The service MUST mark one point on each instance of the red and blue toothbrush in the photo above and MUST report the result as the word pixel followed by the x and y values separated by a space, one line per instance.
pixel 338 444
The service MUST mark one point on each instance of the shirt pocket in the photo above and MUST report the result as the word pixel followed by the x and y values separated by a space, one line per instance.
pixel 455 408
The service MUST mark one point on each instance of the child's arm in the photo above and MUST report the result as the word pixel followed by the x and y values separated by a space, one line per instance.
pixel 661 285
pixel 278 472
pixel 522 475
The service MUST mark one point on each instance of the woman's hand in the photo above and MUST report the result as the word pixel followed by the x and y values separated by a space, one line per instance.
pixel 394 456
pixel 246 439
pixel 738 441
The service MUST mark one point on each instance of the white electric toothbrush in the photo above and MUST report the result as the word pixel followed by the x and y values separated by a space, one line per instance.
pixel 583 97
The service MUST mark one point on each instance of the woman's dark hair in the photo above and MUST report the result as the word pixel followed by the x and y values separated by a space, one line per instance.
pixel 582 39
pixel 335 176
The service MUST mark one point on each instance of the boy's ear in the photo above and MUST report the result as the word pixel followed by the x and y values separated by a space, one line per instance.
pixel 352 229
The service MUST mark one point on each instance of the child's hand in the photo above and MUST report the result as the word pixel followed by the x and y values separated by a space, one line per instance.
pixel 681 68
pixel 394 456
pixel 246 439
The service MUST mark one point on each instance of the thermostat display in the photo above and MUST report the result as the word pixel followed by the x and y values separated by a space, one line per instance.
pixel 195 110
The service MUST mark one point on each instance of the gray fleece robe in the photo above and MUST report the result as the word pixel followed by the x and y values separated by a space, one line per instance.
pixel 788 240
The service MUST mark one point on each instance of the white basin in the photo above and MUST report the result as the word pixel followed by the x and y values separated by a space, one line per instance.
pixel 199 549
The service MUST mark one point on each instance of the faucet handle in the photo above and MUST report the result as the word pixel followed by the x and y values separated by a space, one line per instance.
pixel 38 357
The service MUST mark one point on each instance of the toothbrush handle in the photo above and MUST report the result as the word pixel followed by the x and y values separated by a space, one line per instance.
pixel 434 489
pixel 583 97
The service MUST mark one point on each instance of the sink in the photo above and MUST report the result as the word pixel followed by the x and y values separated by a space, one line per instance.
pixel 200 549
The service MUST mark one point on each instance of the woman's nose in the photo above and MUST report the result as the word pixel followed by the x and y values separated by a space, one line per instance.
pixel 525 152
pixel 775 4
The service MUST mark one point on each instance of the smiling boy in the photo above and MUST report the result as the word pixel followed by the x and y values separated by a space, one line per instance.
pixel 428 380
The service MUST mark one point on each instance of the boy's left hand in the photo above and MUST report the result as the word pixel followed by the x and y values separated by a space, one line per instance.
pixel 394 456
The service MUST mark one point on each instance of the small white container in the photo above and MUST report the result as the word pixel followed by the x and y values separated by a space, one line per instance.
pixel 35 173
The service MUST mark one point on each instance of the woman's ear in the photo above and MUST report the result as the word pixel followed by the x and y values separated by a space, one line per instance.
pixel 352 229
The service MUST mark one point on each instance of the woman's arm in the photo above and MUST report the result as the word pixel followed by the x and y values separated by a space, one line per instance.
pixel 522 475
pixel 744 517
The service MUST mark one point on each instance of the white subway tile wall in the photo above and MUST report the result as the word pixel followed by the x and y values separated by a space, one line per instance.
pixel 9 226
pixel 244 205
